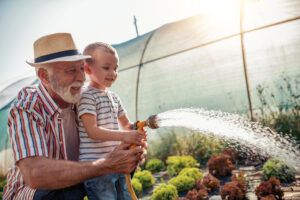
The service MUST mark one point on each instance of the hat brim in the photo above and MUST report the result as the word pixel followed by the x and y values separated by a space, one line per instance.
pixel 61 59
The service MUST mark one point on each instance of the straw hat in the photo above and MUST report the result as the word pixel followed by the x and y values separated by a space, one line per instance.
pixel 56 47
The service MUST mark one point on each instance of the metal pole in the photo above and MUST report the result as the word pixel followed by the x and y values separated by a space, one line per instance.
pixel 135 24
pixel 244 58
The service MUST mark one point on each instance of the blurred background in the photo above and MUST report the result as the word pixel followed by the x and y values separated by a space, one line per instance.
pixel 236 56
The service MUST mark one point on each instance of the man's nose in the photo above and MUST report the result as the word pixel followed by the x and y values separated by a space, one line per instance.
pixel 80 76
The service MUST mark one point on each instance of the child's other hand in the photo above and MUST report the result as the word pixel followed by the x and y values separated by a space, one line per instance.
pixel 134 137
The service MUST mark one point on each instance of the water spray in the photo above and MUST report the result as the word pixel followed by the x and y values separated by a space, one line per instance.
pixel 151 122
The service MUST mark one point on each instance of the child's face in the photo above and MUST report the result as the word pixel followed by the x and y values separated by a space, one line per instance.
pixel 104 70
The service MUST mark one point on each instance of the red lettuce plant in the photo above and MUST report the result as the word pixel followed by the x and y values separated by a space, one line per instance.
pixel 211 183
pixel 220 166
pixel 268 188
pixel 234 191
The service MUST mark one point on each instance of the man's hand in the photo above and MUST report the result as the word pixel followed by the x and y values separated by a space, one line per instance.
pixel 123 160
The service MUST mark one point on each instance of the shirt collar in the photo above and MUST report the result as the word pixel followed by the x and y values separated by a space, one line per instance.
pixel 49 103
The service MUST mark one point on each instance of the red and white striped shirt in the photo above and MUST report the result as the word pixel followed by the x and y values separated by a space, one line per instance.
pixel 35 129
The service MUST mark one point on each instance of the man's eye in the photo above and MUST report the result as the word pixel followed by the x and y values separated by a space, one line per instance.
pixel 105 68
pixel 72 71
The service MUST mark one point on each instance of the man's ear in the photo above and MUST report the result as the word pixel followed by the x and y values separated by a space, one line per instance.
pixel 87 68
pixel 44 76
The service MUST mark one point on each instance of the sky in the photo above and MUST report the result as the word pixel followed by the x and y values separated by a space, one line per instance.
pixel 111 21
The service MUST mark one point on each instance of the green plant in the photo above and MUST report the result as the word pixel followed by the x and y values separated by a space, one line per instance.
pixel 183 141
pixel 280 106
pixel 191 172
pixel 278 169
pixel 137 186
pixel 165 192
pixel 234 191
pixel 182 183
pixel 210 182
pixel 220 166
pixel 155 165
pixel 197 194
pixel 268 189
pixel 177 163
pixel 145 177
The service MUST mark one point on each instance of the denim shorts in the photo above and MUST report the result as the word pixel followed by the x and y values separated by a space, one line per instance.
pixel 108 187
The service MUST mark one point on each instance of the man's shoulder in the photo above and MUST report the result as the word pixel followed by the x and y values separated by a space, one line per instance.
pixel 26 98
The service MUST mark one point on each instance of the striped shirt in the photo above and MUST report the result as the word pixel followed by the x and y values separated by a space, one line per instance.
pixel 35 129
pixel 107 108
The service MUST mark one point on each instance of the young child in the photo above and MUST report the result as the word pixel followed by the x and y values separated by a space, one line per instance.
pixel 100 112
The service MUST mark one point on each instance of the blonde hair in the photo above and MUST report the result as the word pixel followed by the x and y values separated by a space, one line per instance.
pixel 89 50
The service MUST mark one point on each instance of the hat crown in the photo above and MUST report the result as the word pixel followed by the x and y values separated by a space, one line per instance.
pixel 53 43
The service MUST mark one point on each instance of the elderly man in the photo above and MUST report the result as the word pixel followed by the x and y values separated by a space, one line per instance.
pixel 43 130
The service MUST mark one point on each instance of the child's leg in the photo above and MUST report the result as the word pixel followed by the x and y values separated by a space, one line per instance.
pixel 102 187
pixel 122 189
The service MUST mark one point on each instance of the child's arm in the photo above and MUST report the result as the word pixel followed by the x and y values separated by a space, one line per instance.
pixel 99 133
pixel 124 122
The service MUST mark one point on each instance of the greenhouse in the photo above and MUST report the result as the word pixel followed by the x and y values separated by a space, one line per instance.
pixel 215 61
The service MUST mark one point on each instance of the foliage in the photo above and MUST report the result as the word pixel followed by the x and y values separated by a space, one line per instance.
pixel 282 112
pixel 182 183
pixel 3 182
pixel 145 177
pixel 177 163
pixel 239 177
pixel 191 172
pixel 268 188
pixel 220 166
pixel 234 191
pixel 166 192
pixel 197 194
pixel 137 186
pixel 278 169
pixel 155 165
pixel 181 141
pixel 210 182
pixel 234 155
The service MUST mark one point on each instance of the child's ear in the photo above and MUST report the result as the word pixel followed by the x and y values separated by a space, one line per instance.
pixel 87 69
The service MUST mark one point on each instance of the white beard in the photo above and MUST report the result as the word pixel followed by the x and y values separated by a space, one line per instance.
pixel 65 91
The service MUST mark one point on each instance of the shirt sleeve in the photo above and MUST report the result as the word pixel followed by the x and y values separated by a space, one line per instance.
pixel 86 104
pixel 26 134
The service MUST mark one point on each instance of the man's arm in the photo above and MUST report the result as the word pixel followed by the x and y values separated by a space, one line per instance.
pixel 45 173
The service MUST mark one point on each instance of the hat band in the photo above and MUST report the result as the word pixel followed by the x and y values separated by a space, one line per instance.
pixel 56 55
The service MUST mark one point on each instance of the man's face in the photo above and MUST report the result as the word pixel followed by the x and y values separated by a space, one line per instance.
pixel 66 80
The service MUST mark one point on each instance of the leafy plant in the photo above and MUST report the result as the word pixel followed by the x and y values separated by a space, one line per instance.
pixel 197 194
pixel 191 172
pixel 177 163
pixel 220 166
pixel 145 177
pixel 183 141
pixel 280 107
pixel 210 182
pixel 234 155
pixel 267 189
pixel 137 186
pixel 234 191
pixel 166 192
pixel 182 183
pixel 155 165
pixel 278 169
pixel 239 177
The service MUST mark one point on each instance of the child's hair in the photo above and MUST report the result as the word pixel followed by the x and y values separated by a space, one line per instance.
pixel 92 47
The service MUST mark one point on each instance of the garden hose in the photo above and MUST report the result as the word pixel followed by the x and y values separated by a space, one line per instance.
pixel 140 127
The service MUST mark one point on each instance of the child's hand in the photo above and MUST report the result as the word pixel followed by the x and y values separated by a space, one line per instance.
pixel 134 137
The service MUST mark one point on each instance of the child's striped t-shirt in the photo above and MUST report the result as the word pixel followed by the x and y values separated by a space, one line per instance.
pixel 107 108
